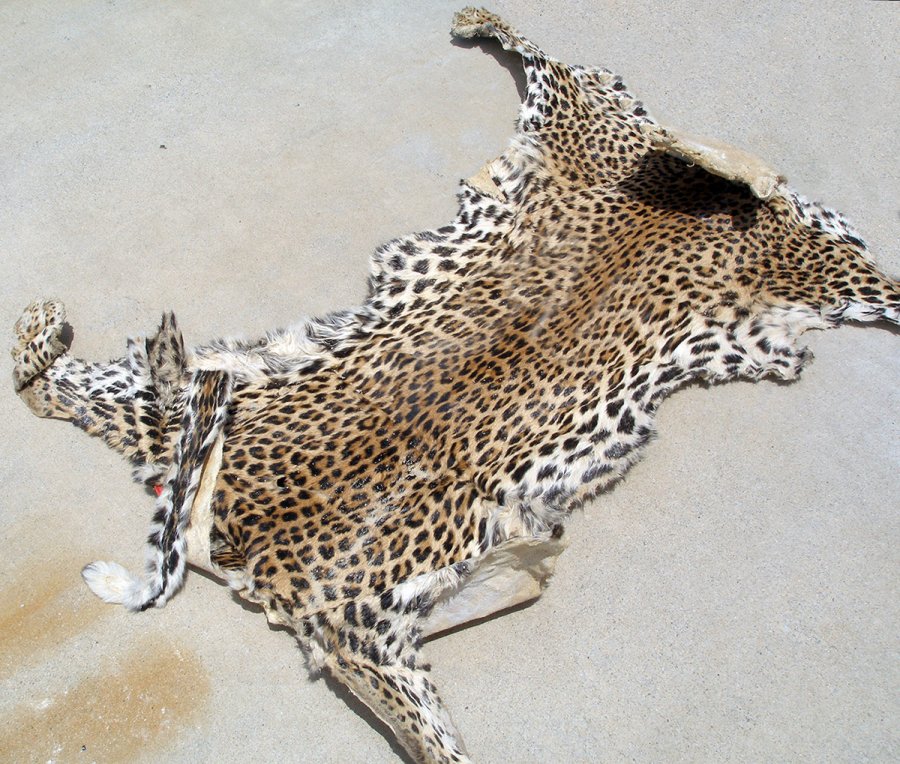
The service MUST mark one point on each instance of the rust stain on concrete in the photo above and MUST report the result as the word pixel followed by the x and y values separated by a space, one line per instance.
pixel 146 699
pixel 41 608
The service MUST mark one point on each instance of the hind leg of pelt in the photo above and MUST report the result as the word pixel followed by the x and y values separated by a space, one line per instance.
pixel 39 340
pixel 381 664
pixel 407 701
pixel 130 402
pixel 478 22
pixel 592 103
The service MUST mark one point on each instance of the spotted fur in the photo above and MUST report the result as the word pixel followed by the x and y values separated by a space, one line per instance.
pixel 504 368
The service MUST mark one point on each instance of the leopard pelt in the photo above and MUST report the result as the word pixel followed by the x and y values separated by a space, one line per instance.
pixel 353 473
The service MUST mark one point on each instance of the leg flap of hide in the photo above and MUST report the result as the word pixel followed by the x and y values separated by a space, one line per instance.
pixel 719 158
pixel 507 575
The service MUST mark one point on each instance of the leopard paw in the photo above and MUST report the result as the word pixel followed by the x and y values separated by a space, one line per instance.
pixel 475 22
pixel 39 340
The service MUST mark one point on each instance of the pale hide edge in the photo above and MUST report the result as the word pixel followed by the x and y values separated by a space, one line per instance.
pixel 718 158
pixel 509 574
pixel 199 529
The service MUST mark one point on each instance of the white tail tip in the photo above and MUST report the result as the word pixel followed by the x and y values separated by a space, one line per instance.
pixel 114 584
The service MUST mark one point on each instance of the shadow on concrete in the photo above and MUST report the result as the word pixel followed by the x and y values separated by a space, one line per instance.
pixel 512 62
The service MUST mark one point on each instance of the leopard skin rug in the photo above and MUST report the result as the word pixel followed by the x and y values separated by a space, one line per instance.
pixel 396 469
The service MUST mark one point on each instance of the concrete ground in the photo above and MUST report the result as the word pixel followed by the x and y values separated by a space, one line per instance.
pixel 735 599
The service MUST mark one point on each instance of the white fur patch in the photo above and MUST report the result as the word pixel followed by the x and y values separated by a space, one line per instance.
pixel 114 584
pixel 316 659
